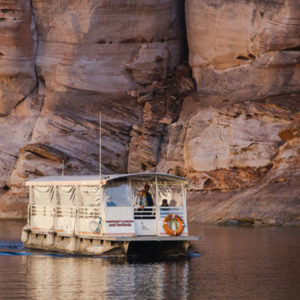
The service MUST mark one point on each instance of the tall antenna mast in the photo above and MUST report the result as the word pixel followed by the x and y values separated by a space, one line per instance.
pixel 100 145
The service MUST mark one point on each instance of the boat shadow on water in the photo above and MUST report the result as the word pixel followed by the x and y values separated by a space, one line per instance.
pixel 151 252
pixel 140 253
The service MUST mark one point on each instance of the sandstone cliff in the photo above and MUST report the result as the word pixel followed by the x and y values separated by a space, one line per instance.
pixel 207 89
pixel 249 48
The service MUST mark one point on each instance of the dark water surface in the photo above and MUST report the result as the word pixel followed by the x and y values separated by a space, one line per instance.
pixel 235 263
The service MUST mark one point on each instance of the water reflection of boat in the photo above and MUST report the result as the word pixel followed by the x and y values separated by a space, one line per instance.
pixel 86 278
pixel 96 216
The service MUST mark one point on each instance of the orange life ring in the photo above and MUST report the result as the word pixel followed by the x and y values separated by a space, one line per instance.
pixel 172 220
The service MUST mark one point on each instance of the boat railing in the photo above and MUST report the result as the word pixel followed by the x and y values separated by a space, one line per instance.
pixel 86 212
pixel 145 213
pixel 84 219
pixel 161 212
pixel 167 210
pixel 66 211
pixel 63 218
pixel 38 210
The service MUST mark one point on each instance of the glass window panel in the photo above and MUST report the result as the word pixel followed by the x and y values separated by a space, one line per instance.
pixel 139 183
pixel 173 194
pixel 117 194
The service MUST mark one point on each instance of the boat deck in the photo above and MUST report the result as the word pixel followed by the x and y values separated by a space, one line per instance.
pixel 148 238
pixel 95 244
pixel 124 238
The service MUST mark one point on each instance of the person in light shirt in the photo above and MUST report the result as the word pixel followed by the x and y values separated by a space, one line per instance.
pixel 141 200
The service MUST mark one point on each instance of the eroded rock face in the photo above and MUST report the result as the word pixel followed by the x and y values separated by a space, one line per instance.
pixel 122 45
pixel 17 53
pixel 248 48
pixel 292 131
pixel 15 132
pixel 61 64
pixel 225 146
pixel 274 200
pixel 161 107
pixel 88 63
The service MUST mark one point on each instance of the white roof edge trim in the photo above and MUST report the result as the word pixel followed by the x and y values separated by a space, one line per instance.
pixel 147 174
pixel 63 182
pixel 93 179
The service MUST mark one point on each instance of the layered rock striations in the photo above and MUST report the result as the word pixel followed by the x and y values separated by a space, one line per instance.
pixel 96 57
pixel 17 54
pixel 225 147
pixel 20 103
pixel 245 52
pixel 83 59
pixel 227 119
pixel 247 49
pixel 273 200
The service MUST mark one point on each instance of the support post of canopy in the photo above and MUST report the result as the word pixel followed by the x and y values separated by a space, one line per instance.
pixel 156 206
pixel 100 146
pixel 30 205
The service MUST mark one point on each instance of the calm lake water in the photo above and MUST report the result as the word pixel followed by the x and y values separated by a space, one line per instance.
pixel 235 263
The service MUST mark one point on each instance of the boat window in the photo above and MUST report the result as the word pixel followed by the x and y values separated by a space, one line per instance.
pixel 117 194
pixel 139 183
pixel 173 194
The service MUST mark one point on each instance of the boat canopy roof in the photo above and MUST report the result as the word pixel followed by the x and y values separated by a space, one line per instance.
pixel 96 180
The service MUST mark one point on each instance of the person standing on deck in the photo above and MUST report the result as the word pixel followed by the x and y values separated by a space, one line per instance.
pixel 164 203
pixel 148 195
pixel 141 200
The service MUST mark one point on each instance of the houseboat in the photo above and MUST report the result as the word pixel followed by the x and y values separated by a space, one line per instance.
pixel 118 215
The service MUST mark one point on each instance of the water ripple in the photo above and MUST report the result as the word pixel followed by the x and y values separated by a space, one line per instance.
pixel 11 245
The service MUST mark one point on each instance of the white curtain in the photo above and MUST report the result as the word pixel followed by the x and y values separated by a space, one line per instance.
pixel 66 195
pixel 43 195
pixel 90 195
pixel 173 194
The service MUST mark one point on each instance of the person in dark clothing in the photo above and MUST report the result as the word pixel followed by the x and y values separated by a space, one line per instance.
pixel 165 202
pixel 148 195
